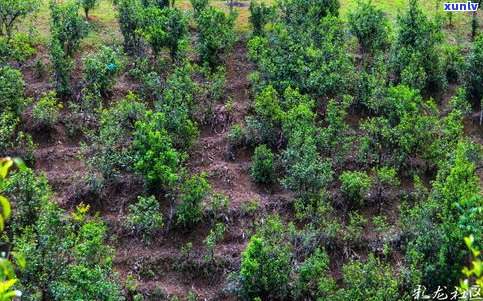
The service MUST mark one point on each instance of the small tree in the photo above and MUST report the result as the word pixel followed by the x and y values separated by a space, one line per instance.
pixel 67 26
pixel 417 58
pixel 354 185
pixel 46 110
pixel 260 15
pixel 370 280
pixel 262 167
pixel 189 209
pixel 11 91
pixel 370 27
pixel 265 264
pixel 145 217
pixel 165 28
pixel 131 14
pixel 216 34
pixel 199 6
pixel 383 178
pixel 215 236
pixel 88 5
pixel 101 70
pixel 11 11
pixel 62 66
pixel 474 73
pixel 156 158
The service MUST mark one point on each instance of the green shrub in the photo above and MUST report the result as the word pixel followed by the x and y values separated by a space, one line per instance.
pixel 454 63
pixel 474 73
pixel 161 4
pixel 88 5
pixel 165 28
pixel 16 49
pixel 27 192
pixel 416 51
pixel 67 26
pixel 11 91
pixel 237 136
pixel 306 170
pixel 265 264
pixel 263 169
pixel 101 70
pixel 110 150
pixel 79 265
pixel 216 34
pixel 46 110
pixel 369 25
pixel 189 208
pixel 459 101
pixel 215 236
pixel 260 15
pixel 312 59
pixel 384 178
pixel 313 281
pixel 176 103
pixel 199 6
pixel 131 14
pixel 354 228
pixel 14 142
pixel 12 11
pixel 144 217
pixel 306 13
pixel 371 280
pixel 354 185
pixel 434 228
pixel 156 158
pixel 335 139
pixel 62 66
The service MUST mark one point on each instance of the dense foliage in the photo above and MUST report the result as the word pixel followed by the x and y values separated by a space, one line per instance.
pixel 319 156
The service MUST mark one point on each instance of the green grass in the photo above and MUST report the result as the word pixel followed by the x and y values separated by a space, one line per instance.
pixel 104 29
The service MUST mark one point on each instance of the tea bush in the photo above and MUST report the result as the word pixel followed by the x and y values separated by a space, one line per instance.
pixel 371 280
pixel 144 217
pixel 265 264
pixel 474 73
pixel 67 26
pixel 166 28
pixel 28 192
pixel 11 91
pixel 260 15
pixel 131 17
pixel 384 178
pixel 263 169
pixel 416 49
pixel 155 155
pixel 313 280
pixel 110 150
pixel 18 48
pixel 88 5
pixel 215 236
pixel 62 67
pixel 101 70
pixel 189 207
pixel 354 185
pixel 370 26
pixel 199 6
pixel 80 263
pixel 216 34
pixel 46 110
pixel 12 11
